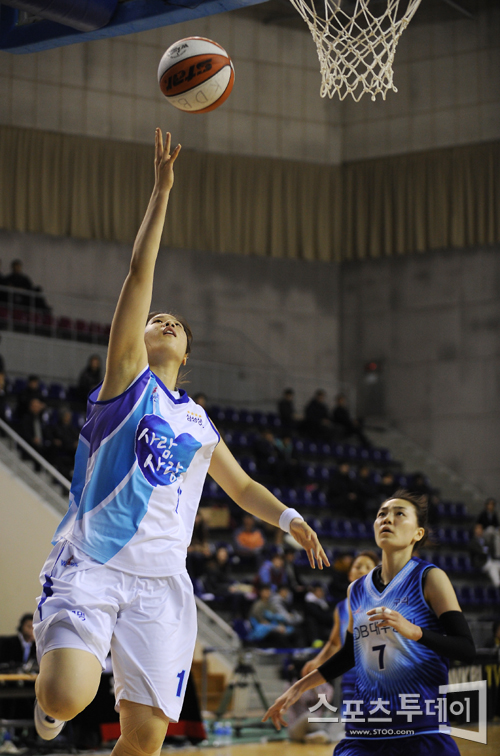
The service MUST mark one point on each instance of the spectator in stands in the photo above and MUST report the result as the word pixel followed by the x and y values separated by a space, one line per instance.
pixel 348 425
pixel 266 453
pixel 268 628
pixel 317 424
pixel 340 577
pixel 420 485
pixel 481 556
pixel 317 614
pixel 282 604
pixel 199 549
pixel 32 391
pixel 366 491
pixel 288 464
pixel 90 377
pixel 19 280
pixel 489 520
pixel 343 491
pixel 388 485
pixel 494 641
pixel 218 577
pixel 488 517
pixel 201 399
pixel 272 572
pixel 34 430
pixel 19 649
pixel 248 539
pixel 64 442
pixel 293 578
pixel 286 412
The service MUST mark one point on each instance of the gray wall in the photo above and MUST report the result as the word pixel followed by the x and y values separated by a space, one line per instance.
pixel 447 75
pixel 275 318
pixel 434 323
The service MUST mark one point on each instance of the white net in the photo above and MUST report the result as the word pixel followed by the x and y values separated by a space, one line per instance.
pixel 356 42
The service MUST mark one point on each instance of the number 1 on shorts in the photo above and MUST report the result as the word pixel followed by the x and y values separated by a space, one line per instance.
pixel 181 680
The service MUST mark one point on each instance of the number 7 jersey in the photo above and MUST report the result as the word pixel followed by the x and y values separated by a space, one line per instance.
pixel 397 679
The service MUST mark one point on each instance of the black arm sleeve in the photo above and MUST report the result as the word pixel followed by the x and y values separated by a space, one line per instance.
pixel 457 643
pixel 340 662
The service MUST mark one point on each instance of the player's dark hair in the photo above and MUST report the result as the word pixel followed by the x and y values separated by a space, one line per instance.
pixel 182 321
pixel 421 505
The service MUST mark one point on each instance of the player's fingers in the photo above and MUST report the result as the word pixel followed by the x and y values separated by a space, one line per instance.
pixel 168 140
pixel 173 157
pixel 310 556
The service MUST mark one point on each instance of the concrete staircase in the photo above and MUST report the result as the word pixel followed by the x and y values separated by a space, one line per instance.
pixel 416 458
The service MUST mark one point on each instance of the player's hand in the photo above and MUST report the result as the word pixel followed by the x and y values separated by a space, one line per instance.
pixel 280 706
pixel 164 161
pixel 307 538
pixel 390 618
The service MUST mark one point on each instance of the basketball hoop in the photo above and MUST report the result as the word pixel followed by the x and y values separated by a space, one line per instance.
pixel 356 46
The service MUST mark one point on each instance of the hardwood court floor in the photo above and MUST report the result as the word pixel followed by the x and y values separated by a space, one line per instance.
pixel 284 748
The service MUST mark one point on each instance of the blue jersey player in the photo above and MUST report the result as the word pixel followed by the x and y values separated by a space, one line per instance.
pixel 362 565
pixel 405 623
pixel 116 578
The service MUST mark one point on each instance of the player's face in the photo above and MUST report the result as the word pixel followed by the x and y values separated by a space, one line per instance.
pixel 164 332
pixel 396 526
pixel 361 566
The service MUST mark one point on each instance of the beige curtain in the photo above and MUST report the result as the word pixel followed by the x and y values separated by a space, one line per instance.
pixel 422 201
pixel 98 189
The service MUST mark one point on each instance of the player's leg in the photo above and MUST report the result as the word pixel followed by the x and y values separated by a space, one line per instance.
pixel 68 682
pixel 143 729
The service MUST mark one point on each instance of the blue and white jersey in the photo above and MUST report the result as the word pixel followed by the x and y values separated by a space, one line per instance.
pixel 140 466
pixel 400 674
pixel 348 678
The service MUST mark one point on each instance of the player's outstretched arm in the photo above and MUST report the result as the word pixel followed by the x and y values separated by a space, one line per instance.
pixel 283 703
pixel 127 352
pixel 256 499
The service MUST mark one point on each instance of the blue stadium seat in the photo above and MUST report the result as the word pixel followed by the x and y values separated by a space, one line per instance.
pixel 57 391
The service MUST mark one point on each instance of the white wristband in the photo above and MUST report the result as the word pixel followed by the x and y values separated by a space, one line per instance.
pixel 286 518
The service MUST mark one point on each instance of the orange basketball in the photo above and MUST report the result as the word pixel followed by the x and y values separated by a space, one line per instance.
pixel 196 75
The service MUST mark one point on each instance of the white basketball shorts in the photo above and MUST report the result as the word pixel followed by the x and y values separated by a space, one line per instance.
pixel 148 623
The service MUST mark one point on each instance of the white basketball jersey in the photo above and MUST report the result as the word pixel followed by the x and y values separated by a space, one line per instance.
pixel 140 466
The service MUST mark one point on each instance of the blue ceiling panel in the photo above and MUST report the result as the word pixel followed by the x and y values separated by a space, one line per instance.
pixel 130 17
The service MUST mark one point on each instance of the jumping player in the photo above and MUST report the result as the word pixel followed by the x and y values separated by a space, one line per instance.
pixel 116 577
pixel 397 616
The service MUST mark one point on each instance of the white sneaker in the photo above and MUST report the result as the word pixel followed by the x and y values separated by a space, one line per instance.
pixel 47 727
pixel 319 737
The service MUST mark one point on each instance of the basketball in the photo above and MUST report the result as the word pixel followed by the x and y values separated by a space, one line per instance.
pixel 196 75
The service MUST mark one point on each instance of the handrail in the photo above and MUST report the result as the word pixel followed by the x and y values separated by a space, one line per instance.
pixel 64 482
pixel 216 620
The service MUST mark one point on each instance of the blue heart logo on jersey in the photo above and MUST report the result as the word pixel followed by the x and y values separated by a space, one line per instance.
pixel 162 456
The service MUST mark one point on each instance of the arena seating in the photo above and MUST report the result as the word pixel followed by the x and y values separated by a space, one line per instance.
pixel 316 464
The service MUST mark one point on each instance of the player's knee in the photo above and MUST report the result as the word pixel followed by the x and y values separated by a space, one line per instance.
pixel 60 704
pixel 150 735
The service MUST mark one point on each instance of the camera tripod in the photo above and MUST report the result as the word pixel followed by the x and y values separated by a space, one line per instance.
pixel 244 674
